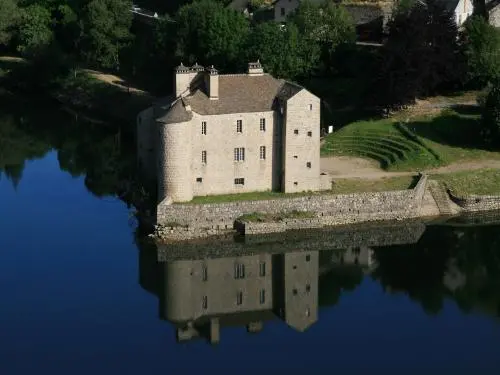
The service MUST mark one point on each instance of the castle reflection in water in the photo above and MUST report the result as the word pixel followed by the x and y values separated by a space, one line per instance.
pixel 204 286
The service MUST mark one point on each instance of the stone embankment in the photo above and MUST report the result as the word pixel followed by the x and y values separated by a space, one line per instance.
pixel 187 221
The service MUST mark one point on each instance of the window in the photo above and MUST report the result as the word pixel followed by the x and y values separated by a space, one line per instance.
pixel 262 269
pixel 199 179
pixel 309 134
pixel 204 127
pixel 282 11
pixel 295 183
pixel 262 296
pixel 239 271
pixel 296 131
pixel 294 291
pixel 310 107
pixel 295 156
pixel 262 152
pixel 239 126
pixel 239 181
pixel 204 273
pixel 262 124
pixel 204 157
pixel 204 303
pixel 308 258
pixel 308 288
pixel 239 298
pixel 308 164
pixel 239 154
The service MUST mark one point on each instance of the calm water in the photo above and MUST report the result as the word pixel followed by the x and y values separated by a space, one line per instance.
pixel 80 296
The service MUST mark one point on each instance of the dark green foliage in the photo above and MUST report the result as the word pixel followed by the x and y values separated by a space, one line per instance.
pixel 421 57
pixel 9 16
pixel 491 116
pixel 210 34
pixel 482 49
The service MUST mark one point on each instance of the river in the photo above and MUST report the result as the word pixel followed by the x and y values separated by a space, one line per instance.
pixel 83 293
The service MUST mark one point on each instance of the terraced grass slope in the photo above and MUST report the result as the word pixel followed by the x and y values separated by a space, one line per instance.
pixel 384 141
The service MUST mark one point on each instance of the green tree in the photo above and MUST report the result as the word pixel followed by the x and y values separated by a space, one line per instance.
pixel 209 33
pixel 482 49
pixel 327 24
pixel 9 15
pixel 282 50
pixel 35 30
pixel 491 116
pixel 106 31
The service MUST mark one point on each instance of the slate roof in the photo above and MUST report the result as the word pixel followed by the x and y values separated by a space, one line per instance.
pixel 238 93
pixel 176 113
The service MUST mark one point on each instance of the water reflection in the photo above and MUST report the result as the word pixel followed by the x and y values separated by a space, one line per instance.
pixel 204 287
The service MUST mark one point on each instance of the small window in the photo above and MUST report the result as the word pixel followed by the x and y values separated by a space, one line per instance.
pixel 262 124
pixel 199 179
pixel 310 107
pixel 309 134
pixel 308 258
pixel 239 126
pixel 204 157
pixel 239 181
pixel 204 303
pixel 296 131
pixel 308 288
pixel 239 271
pixel 308 164
pixel 294 291
pixel 295 183
pixel 239 298
pixel 295 156
pixel 283 11
pixel 204 273
pixel 239 154
pixel 262 269
pixel 204 127
pixel 262 296
pixel 262 152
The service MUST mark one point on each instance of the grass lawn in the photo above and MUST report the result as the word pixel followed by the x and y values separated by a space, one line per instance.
pixel 253 196
pixel 425 142
pixel 357 185
pixel 480 182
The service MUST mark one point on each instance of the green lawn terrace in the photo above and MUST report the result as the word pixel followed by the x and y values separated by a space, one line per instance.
pixel 422 142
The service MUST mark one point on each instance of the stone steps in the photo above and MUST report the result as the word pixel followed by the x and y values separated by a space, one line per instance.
pixel 438 191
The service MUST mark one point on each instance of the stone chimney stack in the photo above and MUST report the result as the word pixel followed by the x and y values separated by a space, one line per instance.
pixel 255 69
pixel 212 83
pixel 182 80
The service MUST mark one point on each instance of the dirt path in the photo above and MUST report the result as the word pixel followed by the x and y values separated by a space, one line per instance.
pixel 351 167
pixel 114 80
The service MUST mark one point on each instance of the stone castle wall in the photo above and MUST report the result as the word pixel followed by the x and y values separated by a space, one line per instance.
pixel 475 203
pixel 329 210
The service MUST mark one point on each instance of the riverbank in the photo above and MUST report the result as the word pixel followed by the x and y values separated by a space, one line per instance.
pixel 427 199
pixel 88 92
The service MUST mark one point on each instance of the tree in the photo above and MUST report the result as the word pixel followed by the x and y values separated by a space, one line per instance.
pixel 328 24
pixel 481 43
pixel 106 31
pixel 35 30
pixel 491 116
pixel 422 56
pixel 282 50
pixel 209 33
pixel 9 15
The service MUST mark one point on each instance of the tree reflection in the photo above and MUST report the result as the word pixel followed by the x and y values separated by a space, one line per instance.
pixel 102 153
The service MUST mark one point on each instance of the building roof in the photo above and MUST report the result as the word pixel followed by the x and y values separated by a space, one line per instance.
pixel 238 93
pixel 176 113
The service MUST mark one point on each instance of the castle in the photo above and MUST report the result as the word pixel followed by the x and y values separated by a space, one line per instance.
pixel 230 133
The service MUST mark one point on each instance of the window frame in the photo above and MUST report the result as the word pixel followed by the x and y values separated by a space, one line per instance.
pixel 204 157
pixel 262 152
pixel 204 128
pixel 239 126
pixel 262 124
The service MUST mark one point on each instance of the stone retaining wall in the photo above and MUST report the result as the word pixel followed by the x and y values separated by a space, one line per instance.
pixel 187 220
pixel 474 203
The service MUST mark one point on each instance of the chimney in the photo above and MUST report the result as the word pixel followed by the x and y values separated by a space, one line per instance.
pixel 182 80
pixel 212 83
pixel 255 69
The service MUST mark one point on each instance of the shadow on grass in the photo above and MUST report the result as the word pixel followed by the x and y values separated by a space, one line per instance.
pixel 467 109
pixel 452 130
